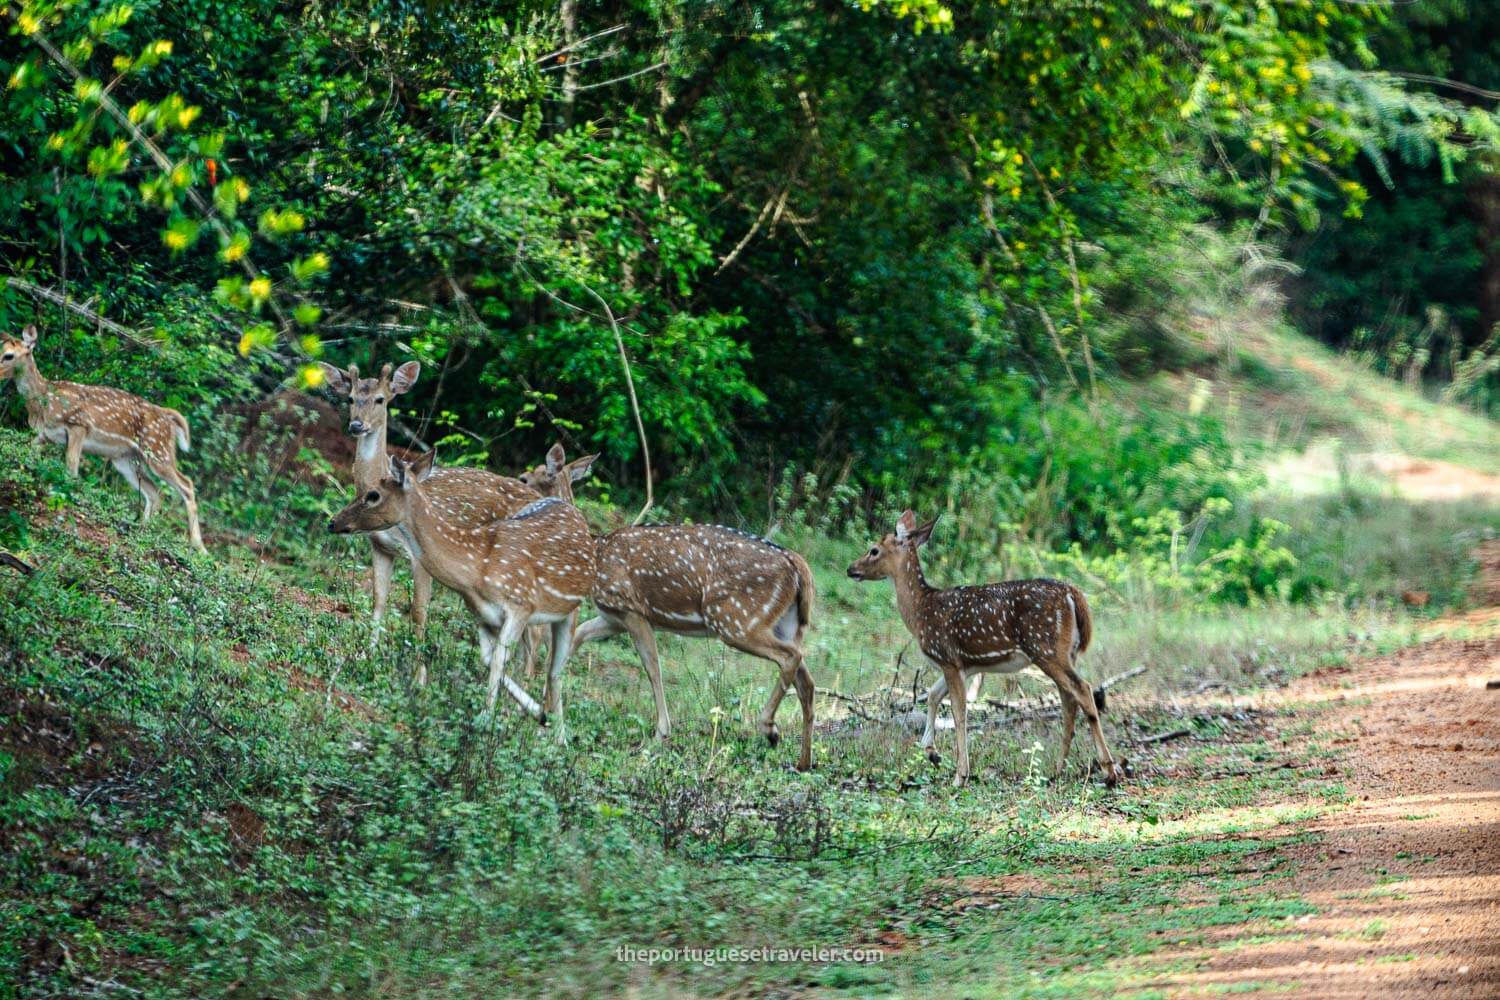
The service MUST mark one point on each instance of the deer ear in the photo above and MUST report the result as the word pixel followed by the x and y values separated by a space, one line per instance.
pixel 405 377
pixel 555 459
pixel 398 470
pixel 422 467
pixel 580 468
pixel 28 336
pixel 336 379
pixel 905 525
pixel 920 535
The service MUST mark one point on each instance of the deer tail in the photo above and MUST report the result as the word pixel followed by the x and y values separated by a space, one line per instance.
pixel 1083 621
pixel 805 589
pixel 180 428
pixel 1082 618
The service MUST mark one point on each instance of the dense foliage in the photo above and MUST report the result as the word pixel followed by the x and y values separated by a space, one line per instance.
pixel 886 242
pixel 1415 283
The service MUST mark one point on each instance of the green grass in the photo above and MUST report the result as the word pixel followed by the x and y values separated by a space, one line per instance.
pixel 211 785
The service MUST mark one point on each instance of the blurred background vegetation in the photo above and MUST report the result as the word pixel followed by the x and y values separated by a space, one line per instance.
pixel 857 255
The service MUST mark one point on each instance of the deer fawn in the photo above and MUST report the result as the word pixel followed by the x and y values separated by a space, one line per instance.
pixel 998 627
pixel 136 436
pixel 533 566
pixel 462 495
pixel 698 580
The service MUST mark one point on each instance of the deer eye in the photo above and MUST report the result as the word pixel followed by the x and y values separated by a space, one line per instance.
pixel 379 400
pixel 372 496
pixel 8 357
pixel 875 551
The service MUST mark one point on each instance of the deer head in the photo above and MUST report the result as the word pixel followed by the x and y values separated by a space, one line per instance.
pixel 13 353
pixel 891 553
pixel 387 503
pixel 370 398
pixel 555 477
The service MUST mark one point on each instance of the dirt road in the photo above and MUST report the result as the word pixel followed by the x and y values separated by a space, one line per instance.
pixel 1406 881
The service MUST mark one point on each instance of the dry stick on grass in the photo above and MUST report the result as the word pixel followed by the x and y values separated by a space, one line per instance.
pixel 1174 734
pixel 6 559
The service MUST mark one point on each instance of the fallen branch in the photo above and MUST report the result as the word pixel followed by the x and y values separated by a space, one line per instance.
pixel 1174 734
pixel 856 705
pixel 6 559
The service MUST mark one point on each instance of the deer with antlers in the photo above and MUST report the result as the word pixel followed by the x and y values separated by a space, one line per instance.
pixel 700 580
pixel 462 495
pixel 995 628
pixel 139 438
pixel 533 566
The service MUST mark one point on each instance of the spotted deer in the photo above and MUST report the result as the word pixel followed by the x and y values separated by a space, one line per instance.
pixel 532 566
pixel 463 495
pixel 994 628
pixel 699 580
pixel 139 438
pixel 553 478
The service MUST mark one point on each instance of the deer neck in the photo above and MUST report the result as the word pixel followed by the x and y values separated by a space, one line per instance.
pixel 440 555
pixel 29 381
pixel 911 591
pixel 369 456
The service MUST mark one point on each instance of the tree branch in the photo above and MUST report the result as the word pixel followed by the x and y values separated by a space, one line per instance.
pixel 77 308
pixel 160 158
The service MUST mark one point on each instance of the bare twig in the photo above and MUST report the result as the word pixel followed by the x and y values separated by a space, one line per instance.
pixel 635 406
pixel 622 79
pixel 856 705
pixel 1175 734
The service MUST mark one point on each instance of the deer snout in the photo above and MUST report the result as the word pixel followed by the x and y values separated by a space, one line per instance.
pixel 358 427
pixel 336 528
pixel 855 573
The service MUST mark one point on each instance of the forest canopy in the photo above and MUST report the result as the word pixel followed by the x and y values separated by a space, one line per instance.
pixel 888 242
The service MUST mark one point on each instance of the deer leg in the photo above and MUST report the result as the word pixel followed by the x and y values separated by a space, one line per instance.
pixel 644 637
pixel 183 487
pixel 788 658
pixel 805 691
pixel 509 633
pixel 130 468
pixel 1069 714
pixel 768 714
pixel 382 564
pixel 1084 695
pixel 976 681
pixel 421 596
pixel 956 695
pixel 597 628
pixel 935 695
pixel 531 644
pixel 74 455
pixel 562 645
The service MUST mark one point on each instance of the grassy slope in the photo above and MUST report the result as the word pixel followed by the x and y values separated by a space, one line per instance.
pixel 191 809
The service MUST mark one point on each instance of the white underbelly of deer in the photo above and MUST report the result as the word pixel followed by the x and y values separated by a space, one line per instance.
pixel 688 624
